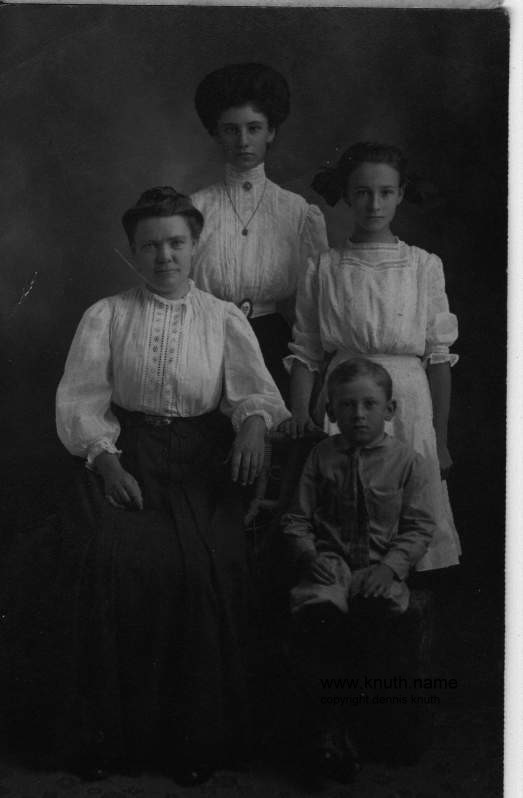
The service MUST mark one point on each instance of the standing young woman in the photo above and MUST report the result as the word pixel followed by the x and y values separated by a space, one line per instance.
pixel 257 236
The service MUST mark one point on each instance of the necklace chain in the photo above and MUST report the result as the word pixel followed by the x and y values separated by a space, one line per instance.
pixel 253 214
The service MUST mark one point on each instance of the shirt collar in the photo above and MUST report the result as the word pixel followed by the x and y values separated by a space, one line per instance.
pixel 343 446
pixel 255 176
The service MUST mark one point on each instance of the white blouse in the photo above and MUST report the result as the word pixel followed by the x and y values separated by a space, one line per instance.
pixel 264 265
pixel 374 299
pixel 163 357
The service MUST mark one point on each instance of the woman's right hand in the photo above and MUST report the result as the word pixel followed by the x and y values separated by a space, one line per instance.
pixel 298 425
pixel 121 488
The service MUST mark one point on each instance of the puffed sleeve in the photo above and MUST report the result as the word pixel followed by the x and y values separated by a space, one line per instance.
pixel 249 389
pixel 306 344
pixel 442 326
pixel 314 235
pixel 84 421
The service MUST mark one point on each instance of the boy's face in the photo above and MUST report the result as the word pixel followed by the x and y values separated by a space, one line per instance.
pixel 360 408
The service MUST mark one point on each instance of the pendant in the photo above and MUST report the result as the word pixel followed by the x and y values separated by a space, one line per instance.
pixel 246 307
pixel 244 231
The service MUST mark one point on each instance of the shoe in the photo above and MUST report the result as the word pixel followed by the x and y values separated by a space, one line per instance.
pixel 336 757
pixel 190 776
pixel 89 771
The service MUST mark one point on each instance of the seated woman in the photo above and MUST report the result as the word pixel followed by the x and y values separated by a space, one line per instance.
pixel 258 236
pixel 166 397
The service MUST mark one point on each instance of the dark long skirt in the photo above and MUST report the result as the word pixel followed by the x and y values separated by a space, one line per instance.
pixel 124 630
pixel 273 334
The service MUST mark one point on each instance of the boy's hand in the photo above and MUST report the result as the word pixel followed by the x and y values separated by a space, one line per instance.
pixel 311 568
pixel 321 573
pixel 378 581
pixel 357 581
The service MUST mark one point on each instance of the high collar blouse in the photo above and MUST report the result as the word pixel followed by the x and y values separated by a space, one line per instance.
pixel 374 298
pixel 163 357
pixel 283 231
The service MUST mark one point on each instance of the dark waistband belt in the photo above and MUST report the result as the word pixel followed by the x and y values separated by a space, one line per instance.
pixel 137 417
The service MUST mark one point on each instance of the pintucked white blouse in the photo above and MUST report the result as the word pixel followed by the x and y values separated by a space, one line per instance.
pixel 264 265
pixel 384 298
pixel 163 357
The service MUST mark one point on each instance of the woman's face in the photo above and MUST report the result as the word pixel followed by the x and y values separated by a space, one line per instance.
pixel 243 133
pixel 373 193
pixel 162 249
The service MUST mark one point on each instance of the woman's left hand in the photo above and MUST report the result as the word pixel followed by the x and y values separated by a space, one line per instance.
pixel 248 450
pixel 445 460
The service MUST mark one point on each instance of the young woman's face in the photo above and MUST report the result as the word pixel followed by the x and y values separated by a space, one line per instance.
pixel 373 193
pixel 162 249
pixel 243 133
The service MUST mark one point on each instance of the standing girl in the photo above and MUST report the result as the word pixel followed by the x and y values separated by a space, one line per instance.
pixel 257 236
pixel 384 299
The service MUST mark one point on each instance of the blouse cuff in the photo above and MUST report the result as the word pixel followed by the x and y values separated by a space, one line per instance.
pixel 97 448
pixel 440 357
pixel 239 416
pixel 287 363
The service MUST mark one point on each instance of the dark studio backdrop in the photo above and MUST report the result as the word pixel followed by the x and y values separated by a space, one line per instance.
pixel 96 104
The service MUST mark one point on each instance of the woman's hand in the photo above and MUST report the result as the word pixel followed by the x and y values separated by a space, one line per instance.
pixel 248 451
pixel 440 389
pixel 121 488
pixel 444 459
pixel 302 383
pixel 298 425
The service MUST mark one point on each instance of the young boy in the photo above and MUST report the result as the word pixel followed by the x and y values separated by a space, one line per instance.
pixel 360 520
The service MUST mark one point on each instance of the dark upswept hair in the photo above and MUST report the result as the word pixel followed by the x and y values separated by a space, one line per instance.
pixel 162 201
pixel 331 181
pixel 235 85
pixel 359 367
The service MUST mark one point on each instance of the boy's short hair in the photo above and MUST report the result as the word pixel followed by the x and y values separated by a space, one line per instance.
pixel 359 367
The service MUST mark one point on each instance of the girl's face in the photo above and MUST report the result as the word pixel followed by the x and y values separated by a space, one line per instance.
pixel 244 134
pixel 373 193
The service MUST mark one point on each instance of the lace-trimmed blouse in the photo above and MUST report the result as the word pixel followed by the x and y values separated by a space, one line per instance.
pixel 264 265
pixel 163 357
pixel 374 299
